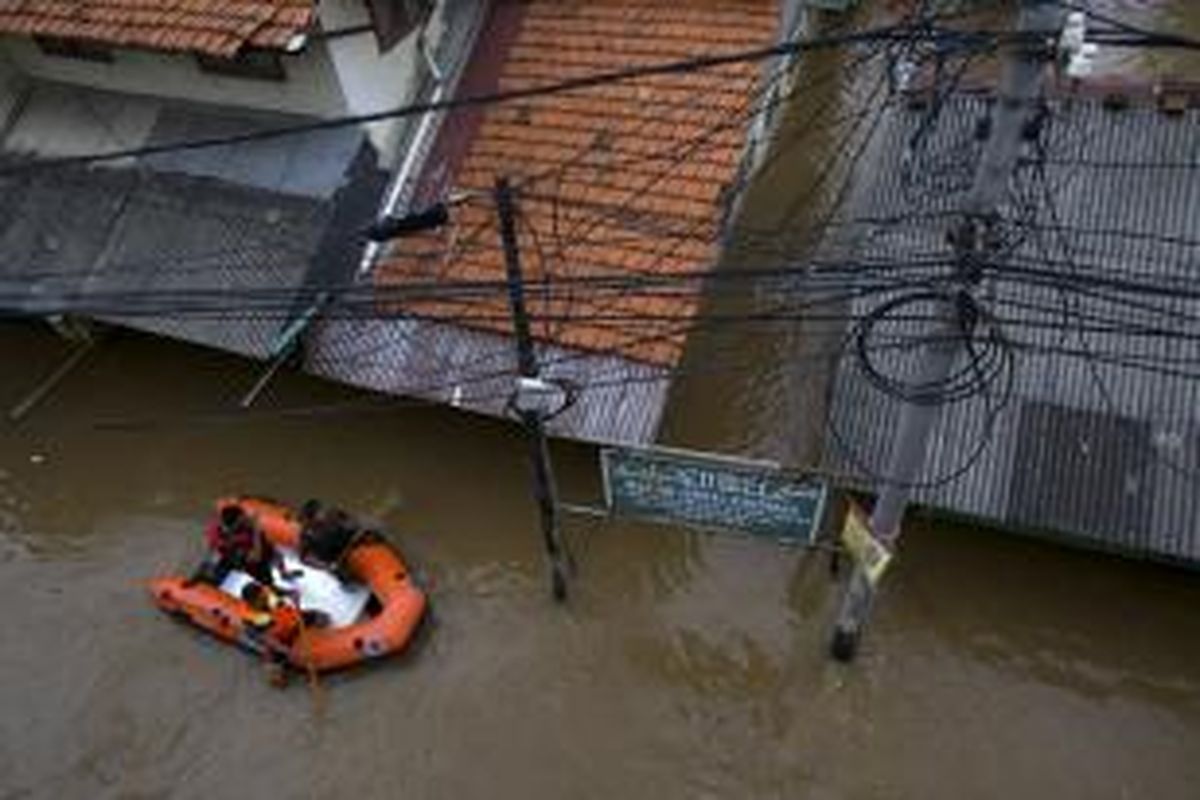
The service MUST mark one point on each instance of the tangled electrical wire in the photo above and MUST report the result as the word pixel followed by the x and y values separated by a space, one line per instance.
pixel 989 356
pixel 989 372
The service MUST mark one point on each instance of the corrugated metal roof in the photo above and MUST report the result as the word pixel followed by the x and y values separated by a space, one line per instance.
pixel 1101 451
pixel 112 241
pixel 195 231
pixel 619 401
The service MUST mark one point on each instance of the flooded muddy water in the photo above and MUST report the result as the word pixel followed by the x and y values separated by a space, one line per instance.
pixel 685 665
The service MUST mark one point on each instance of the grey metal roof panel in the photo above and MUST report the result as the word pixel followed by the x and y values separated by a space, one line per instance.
pixel 121 245
pixel 229 260
pixel 312 164
pixel 1091 447
pixel 201 232
pixel 52 228
pixel 224 265
pixel 619 401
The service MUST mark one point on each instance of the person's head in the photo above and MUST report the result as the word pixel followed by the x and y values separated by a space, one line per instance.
pixel 231 518
pixel 254 595
pixel 310 510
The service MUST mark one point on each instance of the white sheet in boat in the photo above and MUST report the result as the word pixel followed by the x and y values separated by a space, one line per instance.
pixel 319 590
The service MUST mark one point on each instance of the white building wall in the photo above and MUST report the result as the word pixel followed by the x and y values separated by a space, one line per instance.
pixel 59 120
pixel 329 78
pixel 311 87
pixel 369 81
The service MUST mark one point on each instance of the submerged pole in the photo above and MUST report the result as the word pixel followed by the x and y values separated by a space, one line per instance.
pixel 532 414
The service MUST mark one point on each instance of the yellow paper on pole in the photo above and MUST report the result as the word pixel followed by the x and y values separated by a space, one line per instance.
pixel 866 550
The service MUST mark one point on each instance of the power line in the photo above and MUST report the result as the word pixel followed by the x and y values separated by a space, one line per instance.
pixel 681 66
pixel 583 227
pixel 242 269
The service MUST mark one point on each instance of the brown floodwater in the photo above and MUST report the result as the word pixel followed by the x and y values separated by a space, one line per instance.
pixel 685 665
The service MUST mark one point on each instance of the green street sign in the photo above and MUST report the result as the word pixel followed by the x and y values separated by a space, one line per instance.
pixel 702 490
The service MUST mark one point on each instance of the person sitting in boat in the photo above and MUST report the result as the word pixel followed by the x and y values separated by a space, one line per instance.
pixel 327 534
pixel 236 542
pixel 276 622
pixel 271 615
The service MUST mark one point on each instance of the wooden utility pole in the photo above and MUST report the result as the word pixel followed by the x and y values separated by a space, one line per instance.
pixel 532 414
pixel 974 243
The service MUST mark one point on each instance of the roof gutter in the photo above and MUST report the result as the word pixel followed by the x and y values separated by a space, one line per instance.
pixel 399 189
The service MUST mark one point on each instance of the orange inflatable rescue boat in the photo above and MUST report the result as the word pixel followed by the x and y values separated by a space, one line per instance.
pixel 373 616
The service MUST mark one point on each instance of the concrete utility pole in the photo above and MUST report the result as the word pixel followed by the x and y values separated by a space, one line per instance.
pixel 974 244
pixel 529 399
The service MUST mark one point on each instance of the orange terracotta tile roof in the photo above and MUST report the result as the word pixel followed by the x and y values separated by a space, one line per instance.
pixel 213 27
pixel 626 179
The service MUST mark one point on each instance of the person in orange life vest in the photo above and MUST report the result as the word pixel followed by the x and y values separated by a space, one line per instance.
pixel 276 619
pixel 276 622
pixel 236 542
pixel 276 616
